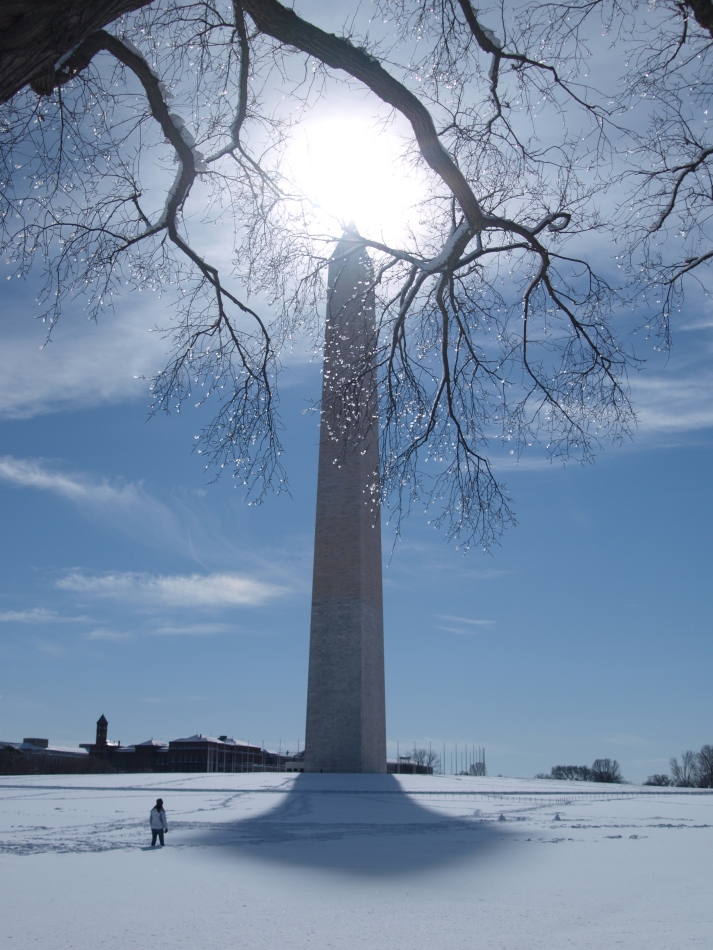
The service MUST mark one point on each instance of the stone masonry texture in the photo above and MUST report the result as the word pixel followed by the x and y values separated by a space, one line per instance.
pixel 346 723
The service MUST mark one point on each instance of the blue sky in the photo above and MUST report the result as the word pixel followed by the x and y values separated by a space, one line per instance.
pixel 133 586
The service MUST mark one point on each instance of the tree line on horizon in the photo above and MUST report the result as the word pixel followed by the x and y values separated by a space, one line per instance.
pixel 695 770
pixel 602 770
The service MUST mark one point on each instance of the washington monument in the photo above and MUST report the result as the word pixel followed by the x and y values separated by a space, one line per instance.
pixel 346 722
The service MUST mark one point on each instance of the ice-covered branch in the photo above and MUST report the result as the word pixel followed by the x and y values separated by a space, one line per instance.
pixel 284 25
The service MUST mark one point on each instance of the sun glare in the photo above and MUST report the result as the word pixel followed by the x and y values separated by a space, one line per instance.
pixel 353 171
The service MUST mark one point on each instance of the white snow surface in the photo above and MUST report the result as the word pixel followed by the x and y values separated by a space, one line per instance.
pixel 352 861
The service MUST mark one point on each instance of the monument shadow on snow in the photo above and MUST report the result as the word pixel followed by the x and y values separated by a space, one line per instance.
pixel 355 824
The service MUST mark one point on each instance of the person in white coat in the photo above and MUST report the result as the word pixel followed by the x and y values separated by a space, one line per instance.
pixel 158 822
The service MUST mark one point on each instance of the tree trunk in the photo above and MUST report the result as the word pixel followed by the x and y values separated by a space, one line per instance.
pixel 35 34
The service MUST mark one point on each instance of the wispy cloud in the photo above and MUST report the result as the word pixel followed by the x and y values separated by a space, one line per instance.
pixel 91 364
pixel 667 404
pixel 702 323
pixel 50 648
pixel 193 629
pixel 475 623
pixel 465 625
pixel 525 463
pixel 86 364
pixel 183 522
pixel 113 636
pixel 34 473
pixel 177 590
pixel 127 506
pixel 33 615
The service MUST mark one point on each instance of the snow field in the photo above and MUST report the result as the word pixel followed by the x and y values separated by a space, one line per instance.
pixel 351 861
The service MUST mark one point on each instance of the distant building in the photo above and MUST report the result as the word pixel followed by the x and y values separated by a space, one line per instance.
pixel 196 753
pixel 404 766
pixel 35 756
pixel 295 763
pixel 43 748
pixel 100 746
pixel 201 753
pixel 149 756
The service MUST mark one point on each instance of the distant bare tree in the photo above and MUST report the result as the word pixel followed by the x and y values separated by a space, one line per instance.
pixel 658 779
pixel 685 774
pixel 606 770
pixel 572 773
pixel 705 766
pixel 568 773
pixel 427 758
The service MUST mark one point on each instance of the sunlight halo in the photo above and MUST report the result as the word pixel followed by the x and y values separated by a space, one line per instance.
pixel 352 169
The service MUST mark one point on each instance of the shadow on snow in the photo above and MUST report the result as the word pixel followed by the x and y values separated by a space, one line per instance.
pixel 328 822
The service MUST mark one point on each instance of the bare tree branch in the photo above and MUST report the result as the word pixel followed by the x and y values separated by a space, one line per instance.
pixel 284 25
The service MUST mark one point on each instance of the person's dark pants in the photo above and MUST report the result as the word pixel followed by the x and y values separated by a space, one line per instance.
pixel 156 833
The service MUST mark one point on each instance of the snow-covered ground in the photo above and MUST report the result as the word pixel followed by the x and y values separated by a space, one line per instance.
pixel 321 861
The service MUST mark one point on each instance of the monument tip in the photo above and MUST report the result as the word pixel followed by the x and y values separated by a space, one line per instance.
pixel 350 236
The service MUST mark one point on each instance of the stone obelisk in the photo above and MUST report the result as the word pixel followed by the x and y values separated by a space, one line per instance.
pixel 346 722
